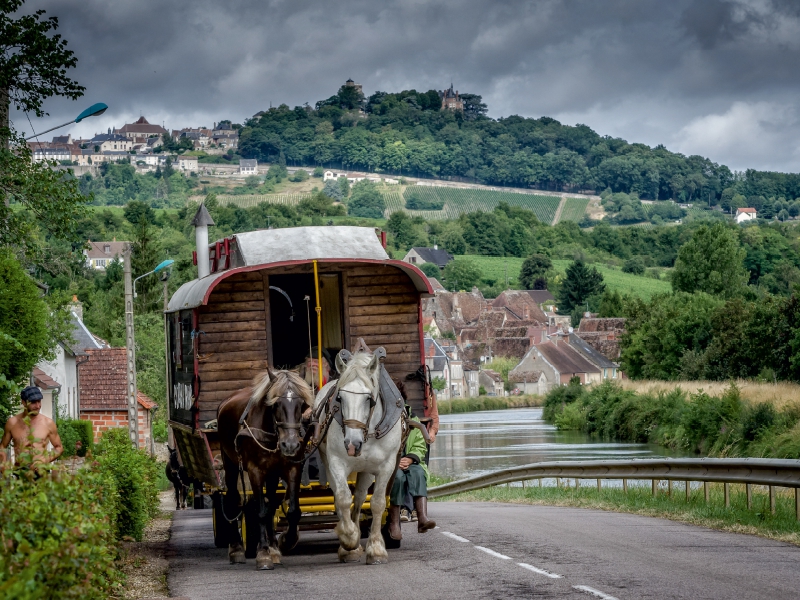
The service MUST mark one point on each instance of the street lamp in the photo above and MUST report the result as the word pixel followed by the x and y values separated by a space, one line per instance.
pixel 161 266
pixel 93 111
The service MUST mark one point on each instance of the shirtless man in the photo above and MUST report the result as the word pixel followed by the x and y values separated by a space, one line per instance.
pixel 43 429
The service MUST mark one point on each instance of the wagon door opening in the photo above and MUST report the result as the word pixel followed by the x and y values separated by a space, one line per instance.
pixel 289 318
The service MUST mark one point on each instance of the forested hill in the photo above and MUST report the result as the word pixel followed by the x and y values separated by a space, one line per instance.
pixel 408 134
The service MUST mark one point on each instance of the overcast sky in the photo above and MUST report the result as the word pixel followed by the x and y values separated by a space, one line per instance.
pixel 720 78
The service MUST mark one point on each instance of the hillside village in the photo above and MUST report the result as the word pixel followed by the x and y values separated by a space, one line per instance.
pixel 465 332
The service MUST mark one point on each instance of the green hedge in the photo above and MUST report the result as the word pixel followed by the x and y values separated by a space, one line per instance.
pixel 463 405
pixel 56 539
pixel 723 425
pixel 136 479
pixel 59 531
pixel 72 431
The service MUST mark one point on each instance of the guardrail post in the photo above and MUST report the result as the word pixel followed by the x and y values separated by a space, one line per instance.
pixel 688 490
pixel 669 488
pixel 797 503
pixel 726 487
pixel 705 490
pixel 540 482
pixel 772 499
pixel 599 485
pixel 624 486
pixel 653 486
pixel 577 483
pixel 748 490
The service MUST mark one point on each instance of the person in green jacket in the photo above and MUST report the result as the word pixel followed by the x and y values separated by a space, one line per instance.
pixel 411 480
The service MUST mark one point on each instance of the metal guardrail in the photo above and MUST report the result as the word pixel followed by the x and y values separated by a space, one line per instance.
pixel 748 471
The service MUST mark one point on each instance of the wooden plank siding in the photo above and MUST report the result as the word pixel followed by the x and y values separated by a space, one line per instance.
pixel 379 304
pixel 234 346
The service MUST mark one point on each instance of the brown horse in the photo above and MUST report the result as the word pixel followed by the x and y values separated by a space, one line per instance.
pixel 268 444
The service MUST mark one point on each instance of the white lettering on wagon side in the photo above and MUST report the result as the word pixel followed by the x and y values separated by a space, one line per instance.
pixel 182 397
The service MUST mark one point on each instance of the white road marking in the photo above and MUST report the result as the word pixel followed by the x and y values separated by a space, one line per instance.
pixel 539 571
pixel 455 537
pixel 493 553
pixel 593 592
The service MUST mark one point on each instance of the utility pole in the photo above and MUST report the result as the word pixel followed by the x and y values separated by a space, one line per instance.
pixel 164 278
pixel 130 344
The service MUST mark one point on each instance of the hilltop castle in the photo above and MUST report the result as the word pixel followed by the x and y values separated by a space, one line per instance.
pixel 451 100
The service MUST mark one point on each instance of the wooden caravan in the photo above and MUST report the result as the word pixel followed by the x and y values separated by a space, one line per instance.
pixel 256 307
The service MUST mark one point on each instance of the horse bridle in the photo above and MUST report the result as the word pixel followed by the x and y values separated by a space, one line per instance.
pixel 354 423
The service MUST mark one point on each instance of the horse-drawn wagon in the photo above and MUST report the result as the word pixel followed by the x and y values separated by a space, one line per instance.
pixel 261 299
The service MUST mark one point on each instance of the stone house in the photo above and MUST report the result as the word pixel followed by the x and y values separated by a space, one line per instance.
pixel 603 335
pixel 101 254
pixel 746 214
pixel 248 166
pixel 60 375
pixel 141 128
pixel 492 382
pixel 559 363
pixel 109 142
pixel 420 256
pixel 187 164
pixel 103 393
pixel 528 382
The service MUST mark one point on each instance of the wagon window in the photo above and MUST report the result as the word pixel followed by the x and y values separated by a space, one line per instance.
pixel 289 317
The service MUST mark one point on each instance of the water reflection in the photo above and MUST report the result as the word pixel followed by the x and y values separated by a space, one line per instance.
pixel 475 443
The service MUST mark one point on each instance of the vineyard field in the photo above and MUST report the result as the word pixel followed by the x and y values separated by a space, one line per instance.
pixel 248 201
pixel 494 267
pixel 458 201
pixel 574 209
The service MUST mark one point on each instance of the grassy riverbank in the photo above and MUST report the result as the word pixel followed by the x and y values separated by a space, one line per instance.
pixel 724 424
pixel 464 405
pixel 782 526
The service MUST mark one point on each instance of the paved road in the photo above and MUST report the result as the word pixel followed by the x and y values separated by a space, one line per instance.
pixel 483 550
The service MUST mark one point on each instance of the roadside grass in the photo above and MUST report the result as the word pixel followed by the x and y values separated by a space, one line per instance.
pixel 781 394
pixel 465 405
pixel 497 267
pixel 782 526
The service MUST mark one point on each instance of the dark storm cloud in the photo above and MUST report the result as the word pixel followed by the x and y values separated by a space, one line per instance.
pixel 712 77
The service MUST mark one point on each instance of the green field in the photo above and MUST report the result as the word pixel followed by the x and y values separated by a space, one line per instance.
pixel 616 281
pixel 458 201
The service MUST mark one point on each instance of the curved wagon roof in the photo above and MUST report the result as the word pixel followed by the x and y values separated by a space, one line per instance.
pixel 272 248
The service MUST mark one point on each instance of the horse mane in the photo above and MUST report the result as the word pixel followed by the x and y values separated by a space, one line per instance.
pixel 357 369
pixel 269 386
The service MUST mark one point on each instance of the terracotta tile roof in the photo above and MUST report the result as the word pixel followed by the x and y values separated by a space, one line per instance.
pixel 613 324
pixel 521 304
pixel 98 249
pixel 565 359
pixel 43 381
pixel 518 375
pixel 515 347
pixel 104 380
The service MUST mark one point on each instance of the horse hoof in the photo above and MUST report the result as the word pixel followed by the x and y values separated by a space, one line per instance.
pixel 346 556
pixel 376 561
pixel 275 555
pixel 264 564
pixel 286 546
pixel 236 555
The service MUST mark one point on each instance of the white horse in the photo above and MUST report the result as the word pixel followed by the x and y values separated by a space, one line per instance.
pixel 348 450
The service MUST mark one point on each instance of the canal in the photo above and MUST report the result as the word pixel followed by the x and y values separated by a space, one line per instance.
pixel 475 443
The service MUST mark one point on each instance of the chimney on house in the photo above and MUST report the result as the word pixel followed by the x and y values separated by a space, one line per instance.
pixel 76 306
pixel 201 222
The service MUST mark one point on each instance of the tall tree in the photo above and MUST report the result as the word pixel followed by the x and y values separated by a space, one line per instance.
pixel 33 62
pixel 33 67
pixel 533 275
pixel 580 283
pixel 712 262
